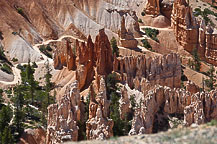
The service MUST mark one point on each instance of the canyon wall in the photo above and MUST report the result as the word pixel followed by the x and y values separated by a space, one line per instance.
pixel 193 34
pixel 99 126
pixel 41 20
pixel 197 108
pixel 184 25
pixel 152 7
pixel 141 71
pixel 63 117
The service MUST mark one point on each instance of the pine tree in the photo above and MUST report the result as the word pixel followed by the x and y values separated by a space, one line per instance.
pixel 196 58
pixel 19 116
pixel 1 97
pixel 121 127
pixel 28 81
pixel 114 46
pixel 5 117
pixel 7 137
pixel 211 81
pixel 48 83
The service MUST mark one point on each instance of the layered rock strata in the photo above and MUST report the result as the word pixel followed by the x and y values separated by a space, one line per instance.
pixel 63 117
pixel 185 25
pixel 93 55
pixel 142 72
pixel 99 126
pixel 152 7
pixel 196 108
pixel 192 34
pixel 127 39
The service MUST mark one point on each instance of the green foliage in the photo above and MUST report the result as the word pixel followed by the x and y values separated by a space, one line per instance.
pixel 6 136
pixel 6 68
pixel 196 62
pixel 205 13
pixel 1 96
pixel 146 44
pixel 133 102
pixel 152 33
pixel 19 115
pixel 20 11
pixel 212 123
pixel 121 127
pixel 115 49
pixel 34 65
pixel 14 33
pixel 30 102
pixel 211 81
pixel 46 50
pixel 143 13
pixel 5 117
pixel 140 21
pixel 14 60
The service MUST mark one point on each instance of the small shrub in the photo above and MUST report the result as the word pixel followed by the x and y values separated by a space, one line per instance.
pixel 115 49
pixel 20 11
pixel 143 13
pixel 152 33
pixel 140 21
pixel 44 49
pixel 146 44
pixel 14 60
pixel 6 68
pixel 212 123
pixel 48 48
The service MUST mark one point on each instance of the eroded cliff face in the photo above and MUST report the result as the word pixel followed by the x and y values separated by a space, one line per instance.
pixel 193 34
pixel 141 72
pixel 185 25
pixel 63 117
pixel 152 7
pixel 127 38
pixel 99 126
pixel 43 19
pixel 196 108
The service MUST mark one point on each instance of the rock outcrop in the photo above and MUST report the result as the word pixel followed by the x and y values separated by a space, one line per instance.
pixel 99 126
pixel 192 88
pixel 211 47
pixel 196 108
pixel 185 25
pixel 91 55
pixel 85 62
pixel 64 55
pixel 127 39
pixel 63 117
pixel 152 7
pixel 136 70
pixel 192 34
pixel 103 54
pixel 33 136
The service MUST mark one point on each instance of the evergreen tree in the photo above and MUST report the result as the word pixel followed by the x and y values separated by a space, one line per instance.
pixel 7 137
pixel 196 58
pixel 48 83
pixel 114 46
pixel 121 127
pixel 30 80
pixel 211 81
pixel 19 116
pixel 1 97
pixel 5 117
